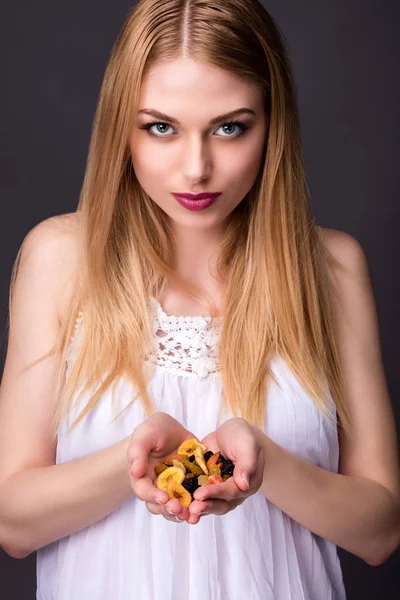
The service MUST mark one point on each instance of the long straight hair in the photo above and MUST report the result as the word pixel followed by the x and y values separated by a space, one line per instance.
pixel 278 277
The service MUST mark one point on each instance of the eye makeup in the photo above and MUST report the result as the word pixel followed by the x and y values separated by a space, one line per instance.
pixel 147 126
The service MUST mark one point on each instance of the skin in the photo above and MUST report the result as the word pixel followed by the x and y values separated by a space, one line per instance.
pixel 196 157
pixel 357 508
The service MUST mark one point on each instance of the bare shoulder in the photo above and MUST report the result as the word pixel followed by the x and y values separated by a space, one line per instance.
pixel 370 449
pixel 344 247
pixel 54 244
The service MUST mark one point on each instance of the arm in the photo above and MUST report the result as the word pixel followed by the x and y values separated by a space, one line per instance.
pixel 358 514
pixel 359 507
pixel 44 504
pixel 41 501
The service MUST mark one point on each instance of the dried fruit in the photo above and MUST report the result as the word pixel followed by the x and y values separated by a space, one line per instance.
pixel 170 459
pixel 191 484
pixel 199 454
pixel 215 470
pixel 170 474
pixel 181 474
pixel 214 458
pixel 189 447
pixel 215 479
pixel 179 465
pixel 227 468
pixel 160 468
pixel 176 490
pixel 192 467
pixel 202 480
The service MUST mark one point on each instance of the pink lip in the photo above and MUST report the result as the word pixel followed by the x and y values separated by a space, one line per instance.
pixel 201 196
pixel 196 202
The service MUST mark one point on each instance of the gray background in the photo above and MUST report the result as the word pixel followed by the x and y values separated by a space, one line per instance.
pixel 345 56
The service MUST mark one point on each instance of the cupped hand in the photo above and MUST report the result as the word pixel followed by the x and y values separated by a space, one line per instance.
pixel 152 441
pixel 241 443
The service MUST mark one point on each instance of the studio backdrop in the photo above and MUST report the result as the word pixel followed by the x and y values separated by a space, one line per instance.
pixel 345 57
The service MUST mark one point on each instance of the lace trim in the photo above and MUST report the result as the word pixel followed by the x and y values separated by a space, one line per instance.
pixel 185 346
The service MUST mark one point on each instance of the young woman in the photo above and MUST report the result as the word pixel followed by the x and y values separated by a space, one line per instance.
pixel 150 317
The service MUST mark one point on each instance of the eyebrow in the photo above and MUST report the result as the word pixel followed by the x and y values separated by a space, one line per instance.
pixel 230 115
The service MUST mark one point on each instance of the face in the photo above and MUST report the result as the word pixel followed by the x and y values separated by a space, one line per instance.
pixel 187 150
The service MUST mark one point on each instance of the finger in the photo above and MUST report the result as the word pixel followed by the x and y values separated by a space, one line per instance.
pixel 157 509
pixel 214 507
pixel 223 491
pixel 174 507
pixel 143 440
pixel 246 455
pixel 210 442
pixel 194 519
pixel 145 490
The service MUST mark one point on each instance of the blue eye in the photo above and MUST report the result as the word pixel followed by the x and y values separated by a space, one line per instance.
pixel 148 127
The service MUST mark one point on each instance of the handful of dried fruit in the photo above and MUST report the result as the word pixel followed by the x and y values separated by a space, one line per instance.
pixel 181 474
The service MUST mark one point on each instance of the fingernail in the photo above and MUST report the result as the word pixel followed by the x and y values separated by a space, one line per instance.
pixel 133 464
pixel 169 511
pixel 157 500
pixel 245 477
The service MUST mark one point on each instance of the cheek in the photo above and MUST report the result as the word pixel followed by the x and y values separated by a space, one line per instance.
pixel 150 169
pixel 245 169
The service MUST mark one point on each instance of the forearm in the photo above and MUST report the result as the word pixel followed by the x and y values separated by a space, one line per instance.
pixel 44 504
pixel 355 513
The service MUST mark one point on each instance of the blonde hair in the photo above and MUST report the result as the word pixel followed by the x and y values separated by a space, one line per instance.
pixel 278 291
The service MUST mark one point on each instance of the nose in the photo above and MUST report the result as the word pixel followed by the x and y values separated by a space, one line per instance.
pixel 196 160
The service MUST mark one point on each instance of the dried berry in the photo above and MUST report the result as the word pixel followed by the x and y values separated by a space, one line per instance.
pixel 227 468
pixel 191 484
pixel 192 458
pixel 207 455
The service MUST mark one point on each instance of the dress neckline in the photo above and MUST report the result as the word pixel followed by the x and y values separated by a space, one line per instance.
pixel 181 318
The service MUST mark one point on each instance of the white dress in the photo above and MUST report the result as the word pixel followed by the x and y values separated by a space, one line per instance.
pixel 255 552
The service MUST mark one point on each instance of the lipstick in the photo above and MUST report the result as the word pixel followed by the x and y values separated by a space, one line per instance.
pixel 196 201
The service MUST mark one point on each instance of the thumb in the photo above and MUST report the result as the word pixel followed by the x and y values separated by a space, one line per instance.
pixel 142 442
pixel 244 466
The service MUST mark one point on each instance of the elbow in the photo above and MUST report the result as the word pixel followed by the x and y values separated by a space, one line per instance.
pixel 384 548
pixel 9 544
pixel 15 552
pixel 392 544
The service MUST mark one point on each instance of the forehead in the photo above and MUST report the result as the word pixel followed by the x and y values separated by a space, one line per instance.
pixel 184 81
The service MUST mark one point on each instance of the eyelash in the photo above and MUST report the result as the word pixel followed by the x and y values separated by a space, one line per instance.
pixel 239 124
